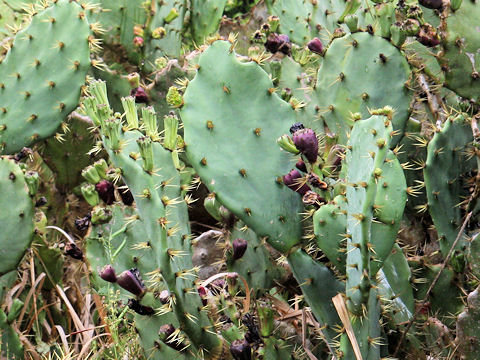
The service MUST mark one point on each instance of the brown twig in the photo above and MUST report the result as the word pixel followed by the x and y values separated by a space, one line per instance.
pixel 434 282
pixel 432 100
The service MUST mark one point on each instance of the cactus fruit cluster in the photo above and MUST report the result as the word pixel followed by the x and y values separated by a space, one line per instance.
pixel 213 179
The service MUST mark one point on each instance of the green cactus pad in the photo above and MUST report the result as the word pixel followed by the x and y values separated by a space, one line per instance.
pixel 205 18
pixel 345 85
pixel 16 220
pixel 366 153
pixel 11 346
pixel 330 227
pixel 444 173
pixel 42 75
pixel 231 124
pixel 304 20
pixel 468 328
pixel 319 286
pixel 394 285
pixel 461 57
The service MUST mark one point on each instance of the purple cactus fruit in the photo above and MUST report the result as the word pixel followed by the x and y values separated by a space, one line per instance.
pixel 140 95
pixel 300 165
pixel 315 46
pixel 203 295
pixel 431 4
pixel 130 281
pixel 306 141
pixel 140 309
pixel 74 251
pixel 295 127
pixel 106 191
pixel 239 247
pixel 108 274
pixel 294 181
pixel 241 350
pixel 126 196
pixel 82 224
pixel 138 41
pixel 276 42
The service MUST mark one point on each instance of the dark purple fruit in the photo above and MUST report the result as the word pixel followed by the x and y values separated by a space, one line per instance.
pixel 140 309
pixel 295 182
pixel 140 95
pixel 431 4
pixel 106 191
pixel 306 141
pixel 239 247
pixel 108 274
pixel 276 42
pixel 241 350
pixel 74 251
pixel 300 165
pixel 315 46
pixel 165 332
pixel 126 196
pixel 130 281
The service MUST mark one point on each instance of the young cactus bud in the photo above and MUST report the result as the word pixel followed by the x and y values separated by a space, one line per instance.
pixel 172 15
pixel 159 33
pixel 32 179
pixel 98 89
pixel 212 205
pixel 273 21
pixel 133 80
pixel 146 151
pixel 91 174
pixel 294 182
pixel 287 144
pixel 138 41
pixel 306 141
pixel 150 121
pixel 352 22
pixel 241 350
pixel 315 46
pixel 101 215
pixel 130 281
pixel 90 194
pixel 131 114
pixel 174 98
pixel 112 128
pixel 398 35
pixel 106 191
pixel 90 108
pixel 108 274
pixel 455 4
pixel 170 123
pixel 102 167
pixel 140 309
pixel 239 247
pixel 266 316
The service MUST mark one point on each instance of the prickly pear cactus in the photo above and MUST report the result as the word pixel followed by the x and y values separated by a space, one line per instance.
pixel 248 112
pixel 42 74
pixel 17 223
pixel 345 85
pixel 446 173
